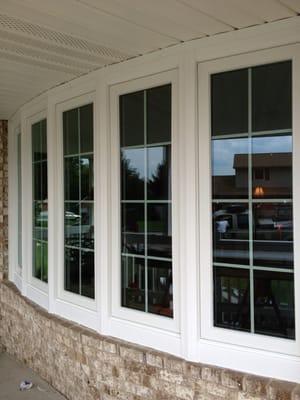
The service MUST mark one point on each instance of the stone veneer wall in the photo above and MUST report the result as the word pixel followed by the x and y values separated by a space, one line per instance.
pixel 3 200
pixel 84 365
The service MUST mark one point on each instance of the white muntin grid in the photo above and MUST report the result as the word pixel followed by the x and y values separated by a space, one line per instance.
pixel 127 255
pixel 250 201
pixel 78 202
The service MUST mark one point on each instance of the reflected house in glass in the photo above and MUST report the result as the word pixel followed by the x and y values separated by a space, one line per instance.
pixel 271 171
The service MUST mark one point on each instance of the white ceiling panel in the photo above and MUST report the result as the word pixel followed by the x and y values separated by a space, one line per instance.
pixel 44 43
pixel 162 16
pixel 292 4
pixel 268 10
pixel 226 11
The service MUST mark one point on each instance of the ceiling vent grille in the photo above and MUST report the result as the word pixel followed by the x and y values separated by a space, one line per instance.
pixel 9 23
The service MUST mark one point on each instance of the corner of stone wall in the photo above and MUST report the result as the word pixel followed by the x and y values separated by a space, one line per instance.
pixel 3 200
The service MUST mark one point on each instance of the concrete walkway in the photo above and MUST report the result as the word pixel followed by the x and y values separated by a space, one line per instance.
pixel 12 373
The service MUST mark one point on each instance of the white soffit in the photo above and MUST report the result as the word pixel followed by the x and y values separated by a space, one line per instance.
pixel 44 43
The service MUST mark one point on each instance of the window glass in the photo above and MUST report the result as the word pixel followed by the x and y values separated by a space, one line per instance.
pixel 272 97
pixel 252 200
pixel 230 168
pixel 132 119
pixel 229 96
pixel 40 200
pixel 79 201
pixel 146 203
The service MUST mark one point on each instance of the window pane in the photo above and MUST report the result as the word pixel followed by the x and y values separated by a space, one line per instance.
pixel 86 128
pixel 72 224
pixel 133 283
pixel 36 142
pixel 87 225
pixel 230 168
pixel 132 119
pixel 43 218
pixel 37 174
pixel 273 235
pixel 160 288
pixel 87 177
pixel 44 262
pixel 231 233
pixel 274 304
pixel 133 174
pixel 231 298
pixel 37 259
pixel 79 204
pixel 71 132
pixel 40 198
pixel 72 178
pixel 87 274
pixel 133 228
pixel 256 229
pixel 272 96
pixel 229 91
pixel 159 232
pixel 44 139
pixel 72 270
pixel 145 179
pixel 272 166
pixel 159 173
pixel 37 220
pixel 159 114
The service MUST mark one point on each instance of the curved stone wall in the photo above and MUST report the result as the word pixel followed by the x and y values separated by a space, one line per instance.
pixel 84 365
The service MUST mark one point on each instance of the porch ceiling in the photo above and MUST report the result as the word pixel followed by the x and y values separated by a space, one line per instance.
pixel 44 43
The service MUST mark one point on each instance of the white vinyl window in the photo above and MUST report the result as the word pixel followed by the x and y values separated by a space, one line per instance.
pixel 250 287
pixel 144 267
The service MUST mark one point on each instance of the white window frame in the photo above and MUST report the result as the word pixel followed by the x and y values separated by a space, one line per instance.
pixel 61 293
pixel 119 312
pixel 15 270
pixel 208 330
pixel 33 288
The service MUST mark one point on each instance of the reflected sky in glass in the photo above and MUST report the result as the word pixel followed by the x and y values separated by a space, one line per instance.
pixel 272 144
pixel 134 159
pixel 223 152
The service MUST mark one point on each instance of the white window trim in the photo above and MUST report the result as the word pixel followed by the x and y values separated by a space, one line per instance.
pixel 61 293
pixel 15 271
pixel 118 311
pixel 208 331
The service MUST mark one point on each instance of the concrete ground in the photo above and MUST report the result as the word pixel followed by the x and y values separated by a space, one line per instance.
pixel 12 373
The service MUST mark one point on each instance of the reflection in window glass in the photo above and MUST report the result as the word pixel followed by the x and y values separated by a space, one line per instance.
pixel 230 168
pixel 231 233
pixel 133 173
pixel 40 200
pixel 272 166
pixel 252 207
pixel 79 201
pixel 146 210
pixel 274 303
pixel 133 283
pixel 232 293
pixel 273 235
